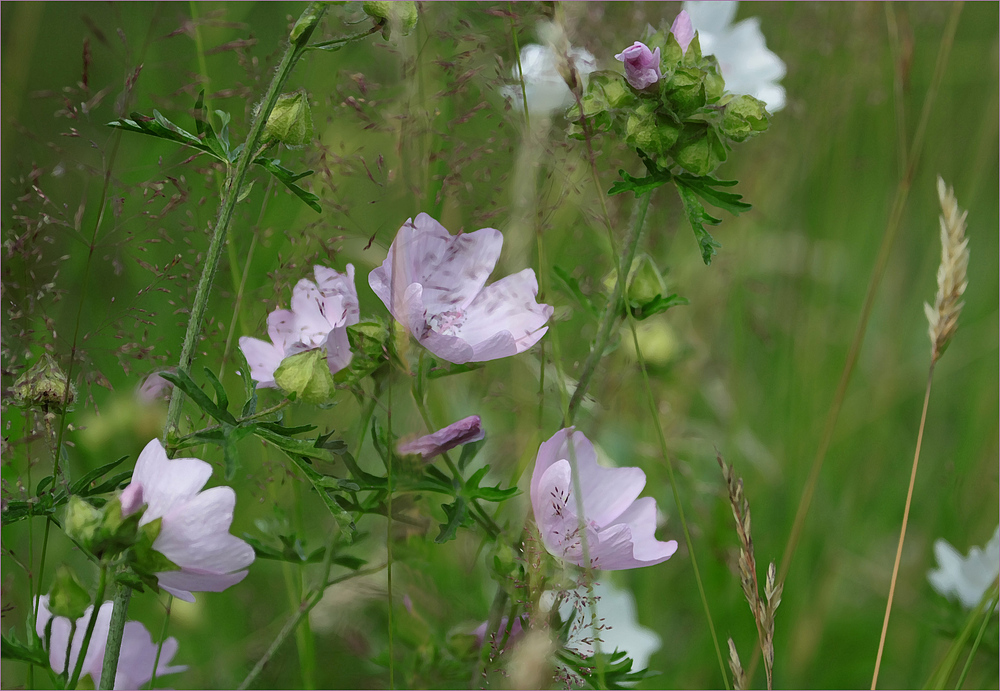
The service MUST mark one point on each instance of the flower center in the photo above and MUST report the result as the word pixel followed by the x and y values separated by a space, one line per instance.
pixel 447 323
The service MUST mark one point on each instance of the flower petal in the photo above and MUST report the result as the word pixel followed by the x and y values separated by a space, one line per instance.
pixel 281 328
pixel 311 324
pixel 711 16
pixel 167 483
pixel 338 291
pixel 449 348
pixel 181 583
pixel 464 431
pixel 338 349
pixel 508 305
pixel 263 359
pixel 641 520
pixel 196 537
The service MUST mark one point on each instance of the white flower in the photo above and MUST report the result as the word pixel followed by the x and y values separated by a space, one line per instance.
pixel 194 533
pixel 747 65
pixel 622 631
pixel 969 577
pixel 138 652
pixel 545 87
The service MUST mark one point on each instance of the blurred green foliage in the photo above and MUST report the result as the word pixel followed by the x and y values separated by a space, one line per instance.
pixel 103 232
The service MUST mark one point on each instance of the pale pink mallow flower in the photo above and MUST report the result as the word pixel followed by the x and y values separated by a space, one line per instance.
pixel 464 431
pixel 434 284
pixel 619 526
pixel 683 30
pixel 153 387
pixel 642 66
pixel 138 652
pixel 319 317
pixel 194 533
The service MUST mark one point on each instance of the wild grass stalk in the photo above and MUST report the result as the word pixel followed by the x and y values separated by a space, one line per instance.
pixel 942 319
pixel 763 609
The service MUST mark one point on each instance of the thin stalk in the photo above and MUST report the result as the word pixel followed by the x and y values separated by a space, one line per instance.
pixel 388 535
pixel 902 532
pixel 888 238
pixel 123 594
pixel 98 601
pixel 301 32
pixel 159 646
pixel 975 645
pixel 677 500
pixel 314 597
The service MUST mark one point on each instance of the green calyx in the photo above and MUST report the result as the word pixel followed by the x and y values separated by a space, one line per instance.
pixel 395 17
pixel 307 375
pixel 67 596
pixel 145 559
pixel 103 531
pixel 290 122
pixel 745 117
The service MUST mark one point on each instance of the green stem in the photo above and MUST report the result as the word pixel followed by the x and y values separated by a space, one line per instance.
pixel 388 533
pixel 123 594
pixel 159 646
pixel 979 638
pixel 314 597
pixel 298 41
pixel 610 317
pixel 98 601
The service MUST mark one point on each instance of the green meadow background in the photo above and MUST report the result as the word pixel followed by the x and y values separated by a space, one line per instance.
pixel 104 234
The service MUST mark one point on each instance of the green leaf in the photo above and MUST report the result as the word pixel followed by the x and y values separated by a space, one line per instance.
pixel 474 491
pixel 185 383
pixel 34 653
pixel 572 286
pixel 656 305
pixel 220 392
pixel 639 186
pixel 288 179
pixel 457 513
pixel 704 187
pixel 204 128
pixel 82 486
pixel 231 435
pixel 437 372
pixel 469 452
pixel 697 217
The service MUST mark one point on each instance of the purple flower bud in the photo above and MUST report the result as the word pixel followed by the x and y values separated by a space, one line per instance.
pixel 642 66
pixel 464 431
pixel 682 30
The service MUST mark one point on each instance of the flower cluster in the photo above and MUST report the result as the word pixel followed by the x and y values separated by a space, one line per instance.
pixel 138 652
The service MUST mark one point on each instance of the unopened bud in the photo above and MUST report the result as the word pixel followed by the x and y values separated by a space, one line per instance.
pixel 44 385
pixel 67 597
pixel 395 17
pixel 745 117
pixel 702 152
pixel 651 132
pixel 307 375
pixel 290 122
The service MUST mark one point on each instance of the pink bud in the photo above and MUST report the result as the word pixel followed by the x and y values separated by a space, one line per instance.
pixel 642 66
pixel 682 30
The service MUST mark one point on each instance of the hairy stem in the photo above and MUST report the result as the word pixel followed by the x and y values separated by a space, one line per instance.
pixel 300 35
pixel 123 593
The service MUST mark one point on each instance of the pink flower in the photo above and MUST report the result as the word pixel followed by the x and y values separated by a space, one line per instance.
pixel 320 315
pixel 194 533
pixel 434 284
pixel 642 66
pixel 683 30
pixel 135 664
pixel 464 431
pixel 153 387
pixel 619 526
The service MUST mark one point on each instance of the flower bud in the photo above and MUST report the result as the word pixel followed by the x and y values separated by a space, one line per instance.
pixel 101 531
pixel 642 66
pixel 701 152
pixel 745 117
pixel 685 92
pixel 395 17
pixel 290 122
pixel 82 522
pixel 682 30
pixel 44 385
pixel 307 375
pixel 645 282
pixel 651 132
pixel 67 597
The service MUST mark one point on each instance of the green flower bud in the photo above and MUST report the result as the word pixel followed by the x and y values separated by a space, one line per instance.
pixel 307 375
pixel 651 132
pixel 67 596
pixel 44 385
pixel 291 120
pixel 745 117
pixel 715 85
pixel 684 92
pixel 701 151
pixel 395 17
pixel 645 282
pixel 82 522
